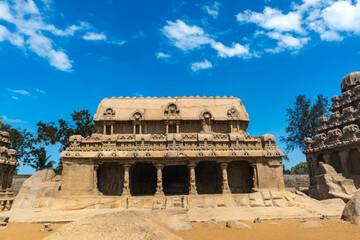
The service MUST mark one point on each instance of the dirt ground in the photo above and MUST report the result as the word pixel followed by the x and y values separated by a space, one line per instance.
pixel 270 229
pixel 278 230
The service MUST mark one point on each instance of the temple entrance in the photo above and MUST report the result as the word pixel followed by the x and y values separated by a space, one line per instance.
pixel 175 180
pixel 354 162
pixel 110 177
pixel 143 179
pixel 335 162
pixel 208 178
pixel 240 177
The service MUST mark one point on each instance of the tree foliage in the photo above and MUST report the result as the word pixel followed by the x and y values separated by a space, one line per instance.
pixel 52 133
pixel 40 159
pixel 300 168
pixel 303 120
pixel 22 140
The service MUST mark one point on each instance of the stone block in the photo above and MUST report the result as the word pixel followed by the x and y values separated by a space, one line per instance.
pixel 256 200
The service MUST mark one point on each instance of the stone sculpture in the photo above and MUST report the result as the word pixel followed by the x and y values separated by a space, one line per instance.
pixel 8 164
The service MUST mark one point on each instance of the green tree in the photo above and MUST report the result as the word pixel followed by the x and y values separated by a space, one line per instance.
pixel 303 120
pixel 300 168
pixel 22 140
pixel 52 133
pixel 40 159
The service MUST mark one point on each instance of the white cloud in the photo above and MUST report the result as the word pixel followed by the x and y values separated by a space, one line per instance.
pixel 92 36
pixel 19 91
pixel 237 50
pixel 184 36
pixel 273 19
pixel 188 37
pixel 39 90
pixel 212 10
pixel 287 41
pixel 6 119
pixel 162 55
pixel 15 98
pixel 196 66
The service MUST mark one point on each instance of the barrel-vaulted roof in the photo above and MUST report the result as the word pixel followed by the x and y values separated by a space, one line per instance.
pixel 187 108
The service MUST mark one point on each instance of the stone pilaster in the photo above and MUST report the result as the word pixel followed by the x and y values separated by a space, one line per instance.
pixel 159 187
pixel 344 156
pixel 255 177
pixel 192 178
pixel 225 186
pixel 126 188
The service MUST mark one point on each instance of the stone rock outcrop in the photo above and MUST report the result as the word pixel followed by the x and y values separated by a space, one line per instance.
pixel 351 211
pixel 330 184
pixel 38 191
pixel 128 225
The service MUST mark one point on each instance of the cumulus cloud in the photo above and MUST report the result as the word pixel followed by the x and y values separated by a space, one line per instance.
pixel 196 66
pixel 30 31
pixel 162 55
pixel 189 37
pixel 184 36
pixel 332 20
pixel 272 19
pixel 39 91
pixel 212 10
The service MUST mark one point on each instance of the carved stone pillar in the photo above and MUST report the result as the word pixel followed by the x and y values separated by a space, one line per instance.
pixel 255 177
pixel 225 186
pixel 344 156
pixel 326 158
pixel 192 178
pixel 126 188
pixel 96 187
pixel 159 187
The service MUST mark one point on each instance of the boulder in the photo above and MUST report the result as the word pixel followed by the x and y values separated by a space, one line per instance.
pixel 175 220
pixel 237 224
pixel 211 224
pixel 351 211
pixel 126 225
pixel 38 191
pixel 330 184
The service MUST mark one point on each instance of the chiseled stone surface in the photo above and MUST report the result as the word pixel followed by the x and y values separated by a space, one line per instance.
pixel 351 211
pixel 337 141
pixel 8 164
pixel 181 146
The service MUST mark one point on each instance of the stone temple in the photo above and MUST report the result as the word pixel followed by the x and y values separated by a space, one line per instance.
pixel 333 156
pixel 8 164
pixel 147 150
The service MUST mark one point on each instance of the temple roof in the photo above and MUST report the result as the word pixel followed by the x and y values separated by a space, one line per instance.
pixel 190 108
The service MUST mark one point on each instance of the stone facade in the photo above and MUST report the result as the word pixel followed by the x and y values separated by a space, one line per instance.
pixel 170 147
pixel 337 142
pixel 8 164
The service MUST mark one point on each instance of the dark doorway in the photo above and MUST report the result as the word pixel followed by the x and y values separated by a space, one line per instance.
pixel 335 162
pixel 240 177
pixel 110 177
pixel 175 180
pixel 208 178
pixel 143 179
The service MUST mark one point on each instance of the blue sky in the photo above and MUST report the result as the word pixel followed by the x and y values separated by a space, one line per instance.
pixel 60 56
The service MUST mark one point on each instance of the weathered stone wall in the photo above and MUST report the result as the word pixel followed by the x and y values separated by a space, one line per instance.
pixel 295 181
pixel 16 185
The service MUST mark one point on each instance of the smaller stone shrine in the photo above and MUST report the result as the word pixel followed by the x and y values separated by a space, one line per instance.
pixel 333 156
pixel 8 164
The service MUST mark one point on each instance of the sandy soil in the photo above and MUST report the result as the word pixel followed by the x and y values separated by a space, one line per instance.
pixel 25 231
pixel 278 230
pixel 271 229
